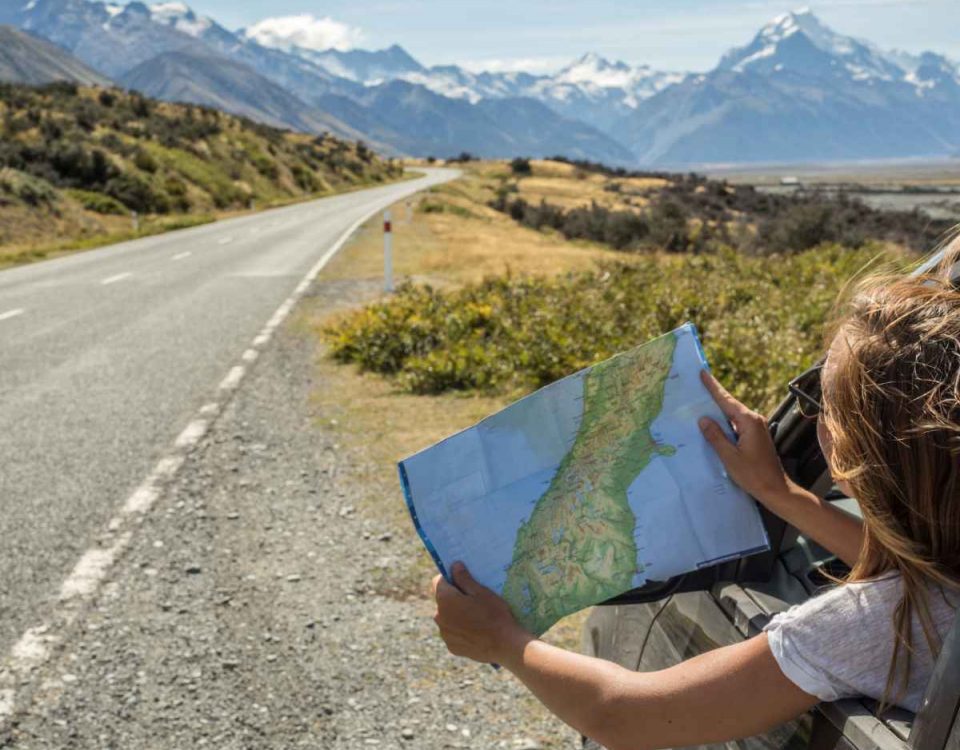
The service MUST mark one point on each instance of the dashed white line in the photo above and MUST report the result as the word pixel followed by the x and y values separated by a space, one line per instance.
pixel 224 240
pixel 11 313
pixel 181 256
pixel 192 433
pixel 233 378
pixel 117 277
pixel 36 644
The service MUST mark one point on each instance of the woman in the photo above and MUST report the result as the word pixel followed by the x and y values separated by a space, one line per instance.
pixel 889 427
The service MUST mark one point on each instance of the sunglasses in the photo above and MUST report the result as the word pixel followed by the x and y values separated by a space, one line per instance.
pixel 807 391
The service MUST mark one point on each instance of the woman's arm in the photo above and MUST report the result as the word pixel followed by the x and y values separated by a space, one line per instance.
pixel 726 694
pixel 752 463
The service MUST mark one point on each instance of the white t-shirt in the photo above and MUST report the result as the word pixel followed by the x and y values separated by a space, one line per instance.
pixel 839 644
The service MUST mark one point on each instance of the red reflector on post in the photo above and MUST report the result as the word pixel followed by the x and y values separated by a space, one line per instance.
pixel 386 226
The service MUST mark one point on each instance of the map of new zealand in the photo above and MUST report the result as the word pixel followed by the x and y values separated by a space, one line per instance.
pixel 587 488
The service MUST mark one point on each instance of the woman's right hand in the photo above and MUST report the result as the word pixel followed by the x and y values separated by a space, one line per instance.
pixel 752 462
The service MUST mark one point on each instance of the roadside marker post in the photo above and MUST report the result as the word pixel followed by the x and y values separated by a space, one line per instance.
pixel 135 220
pixel 387 252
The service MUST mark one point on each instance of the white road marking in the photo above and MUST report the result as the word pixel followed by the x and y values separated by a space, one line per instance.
pixel 34 648
pixel 233 378
pixel 118 277
pixel 11 313
pixel 181 256
pixel 92 568
pixel 192 433
pixel 224 240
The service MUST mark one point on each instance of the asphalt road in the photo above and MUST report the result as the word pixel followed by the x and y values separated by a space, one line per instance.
pixel 106 355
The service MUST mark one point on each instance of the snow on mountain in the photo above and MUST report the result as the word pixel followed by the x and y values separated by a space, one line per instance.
pixel 798 42
pixel 591 88
pixel 799 91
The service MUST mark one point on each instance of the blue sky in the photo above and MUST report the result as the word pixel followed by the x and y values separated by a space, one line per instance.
pixel 668 34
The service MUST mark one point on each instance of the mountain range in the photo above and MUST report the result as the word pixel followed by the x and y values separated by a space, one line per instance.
pixel 798 91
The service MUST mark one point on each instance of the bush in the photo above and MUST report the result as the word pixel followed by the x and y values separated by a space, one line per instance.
pixel 97 202
pixel 521 167
pixel 143 160
pixel 761 320
pixel 136 194
pixel 27 188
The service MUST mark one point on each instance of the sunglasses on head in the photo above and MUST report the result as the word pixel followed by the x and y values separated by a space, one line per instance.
pixel 806 390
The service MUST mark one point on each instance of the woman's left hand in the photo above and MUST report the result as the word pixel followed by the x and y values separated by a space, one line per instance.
pixel 474 622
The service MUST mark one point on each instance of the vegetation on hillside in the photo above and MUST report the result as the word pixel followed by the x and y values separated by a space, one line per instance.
pixel 692 213
pixel 760 318
pixel 76 156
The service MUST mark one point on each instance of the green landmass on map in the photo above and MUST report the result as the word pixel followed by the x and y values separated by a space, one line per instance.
pixel 578 546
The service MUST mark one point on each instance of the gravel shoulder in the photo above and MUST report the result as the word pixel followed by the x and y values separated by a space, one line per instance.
pixel 249 610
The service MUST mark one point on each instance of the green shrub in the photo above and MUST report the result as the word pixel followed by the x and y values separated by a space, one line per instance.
pixel 136 194
pixel 27 188
pixel 761 319
pixel 98 202
pixel 143 160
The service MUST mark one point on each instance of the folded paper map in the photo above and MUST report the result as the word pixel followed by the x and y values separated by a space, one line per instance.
pixel 587 488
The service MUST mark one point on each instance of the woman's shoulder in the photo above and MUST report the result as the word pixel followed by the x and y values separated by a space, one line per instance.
pixel 873 594
pixel 866 602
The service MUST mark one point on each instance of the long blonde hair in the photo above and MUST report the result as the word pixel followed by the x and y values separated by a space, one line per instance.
pixel 892 407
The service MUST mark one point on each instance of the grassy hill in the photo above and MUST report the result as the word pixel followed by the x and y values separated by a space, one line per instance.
pixel 76 161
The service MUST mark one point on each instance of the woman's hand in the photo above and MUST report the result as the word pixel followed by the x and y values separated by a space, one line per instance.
pixel 474 622
pixel 752 462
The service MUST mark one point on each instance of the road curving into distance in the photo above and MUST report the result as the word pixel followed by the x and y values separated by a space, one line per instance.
pixel 106 355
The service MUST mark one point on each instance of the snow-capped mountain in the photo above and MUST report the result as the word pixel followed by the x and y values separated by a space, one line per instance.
pixel 590 88
pixel 800 91
pixel 797 91
pixel 169 51
pixel 800 42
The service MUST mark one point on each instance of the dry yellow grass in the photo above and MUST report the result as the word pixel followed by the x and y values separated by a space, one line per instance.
pixel 569 187
pixel 450 236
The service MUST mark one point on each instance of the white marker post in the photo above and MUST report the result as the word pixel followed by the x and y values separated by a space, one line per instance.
pixel 387 252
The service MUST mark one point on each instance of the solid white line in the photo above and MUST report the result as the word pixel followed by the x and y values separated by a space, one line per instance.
pixel 35 646
pixel 11 313
pixel 116 278
pixel 181 256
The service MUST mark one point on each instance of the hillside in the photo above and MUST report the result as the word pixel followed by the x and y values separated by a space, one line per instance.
pixel 25 58
pixel 215 81
pixel 75 161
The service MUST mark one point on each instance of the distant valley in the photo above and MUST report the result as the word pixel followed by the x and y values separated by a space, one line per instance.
pixel 798 91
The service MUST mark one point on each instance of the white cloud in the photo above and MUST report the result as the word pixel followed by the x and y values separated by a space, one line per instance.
pixel 515 64
pixel 306 31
